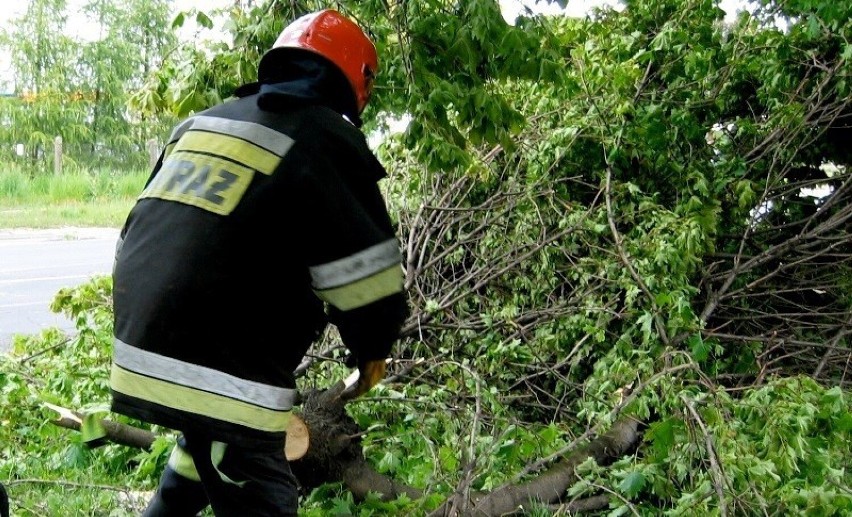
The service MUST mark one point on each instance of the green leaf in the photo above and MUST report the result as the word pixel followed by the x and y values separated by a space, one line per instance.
pixel 632 484
pixel 813 26
pixel 341 507
pixel 388 463
pixel 699 348
pixel 76 456
pixel 661 435
pixel 844 423
pixel 203 20
pixel 646 323
pixel 179 20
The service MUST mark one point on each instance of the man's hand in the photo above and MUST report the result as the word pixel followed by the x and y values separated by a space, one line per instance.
pixel 370 373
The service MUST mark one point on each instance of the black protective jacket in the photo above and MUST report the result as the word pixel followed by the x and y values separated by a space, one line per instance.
pixel 255 226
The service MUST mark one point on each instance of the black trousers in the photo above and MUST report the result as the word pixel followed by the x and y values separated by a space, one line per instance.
pixel 235 481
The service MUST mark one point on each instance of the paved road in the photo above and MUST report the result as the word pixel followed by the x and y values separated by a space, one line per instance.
pixel 35 264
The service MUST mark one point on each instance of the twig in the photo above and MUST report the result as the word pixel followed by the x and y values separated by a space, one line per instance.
pixel 70 484
pixel 43 351
pixel 715 468
pixel 611 416
pixel 617 495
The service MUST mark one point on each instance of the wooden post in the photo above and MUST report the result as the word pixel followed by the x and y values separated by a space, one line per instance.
pixel 57 156
pixel 153 152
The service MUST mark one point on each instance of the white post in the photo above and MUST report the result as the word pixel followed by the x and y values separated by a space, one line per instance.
pixel 153 152
pixel 57 155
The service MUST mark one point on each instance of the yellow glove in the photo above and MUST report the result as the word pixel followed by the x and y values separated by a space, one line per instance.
pixel 369 374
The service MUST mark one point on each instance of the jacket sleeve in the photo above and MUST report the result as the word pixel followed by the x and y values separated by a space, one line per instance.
pixel 354 259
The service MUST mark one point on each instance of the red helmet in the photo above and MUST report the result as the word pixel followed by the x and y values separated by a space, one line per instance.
pixel 338 39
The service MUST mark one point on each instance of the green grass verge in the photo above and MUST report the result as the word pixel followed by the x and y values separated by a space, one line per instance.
pixel 79 197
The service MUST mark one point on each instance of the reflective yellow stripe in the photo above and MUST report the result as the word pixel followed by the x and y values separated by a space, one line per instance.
pixel 234 149
pixel 181 462
pixel 365 291
pixel 202 378
pixel 168 151
pixel 198 402
pixel 217 453
pixel 203 181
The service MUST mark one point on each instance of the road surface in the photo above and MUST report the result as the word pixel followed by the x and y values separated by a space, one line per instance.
pixel 36 264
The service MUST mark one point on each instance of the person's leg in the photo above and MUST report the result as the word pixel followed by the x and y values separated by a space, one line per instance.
pixel 180 493
pixel 245 481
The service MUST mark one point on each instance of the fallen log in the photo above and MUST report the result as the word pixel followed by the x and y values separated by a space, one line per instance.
pixel 332 452
pixel 117 432
pixel 550 486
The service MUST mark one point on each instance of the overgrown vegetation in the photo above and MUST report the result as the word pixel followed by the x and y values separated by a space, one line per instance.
pixel 642 215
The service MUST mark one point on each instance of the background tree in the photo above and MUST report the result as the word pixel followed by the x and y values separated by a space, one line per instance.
pixel 40 49
pixel 78 87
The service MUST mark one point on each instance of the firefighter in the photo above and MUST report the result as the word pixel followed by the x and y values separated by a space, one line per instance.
pixel 261 222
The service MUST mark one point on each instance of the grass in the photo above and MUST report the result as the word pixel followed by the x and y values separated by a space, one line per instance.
pixel 83 197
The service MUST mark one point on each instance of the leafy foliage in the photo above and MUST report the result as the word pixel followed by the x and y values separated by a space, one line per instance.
pixel 641 213
pixel 50 469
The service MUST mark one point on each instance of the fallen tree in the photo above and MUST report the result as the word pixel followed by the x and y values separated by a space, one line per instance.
pixel 334 454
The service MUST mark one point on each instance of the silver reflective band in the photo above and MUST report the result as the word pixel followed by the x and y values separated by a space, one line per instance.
pixel 355 267
pixel 179 130
pixel 260 135
pixel 202 378
pixel 269 139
